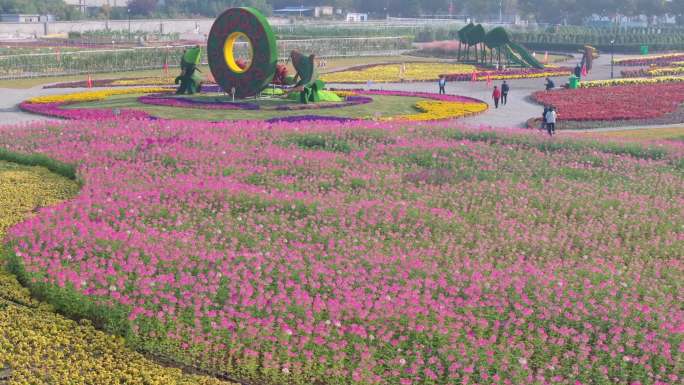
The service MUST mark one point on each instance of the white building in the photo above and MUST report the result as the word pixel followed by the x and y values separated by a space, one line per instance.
pixel 357 17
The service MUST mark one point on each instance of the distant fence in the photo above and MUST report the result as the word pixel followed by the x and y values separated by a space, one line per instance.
pixel 115 60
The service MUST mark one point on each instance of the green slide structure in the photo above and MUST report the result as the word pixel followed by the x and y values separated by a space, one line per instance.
pixel 521 56
pixel 514 57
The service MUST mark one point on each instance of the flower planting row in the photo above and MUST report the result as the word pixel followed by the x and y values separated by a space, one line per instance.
pixel 368 253
pixel 651 60
pixel 395 72
pixel 674 68
pixel 639 101
pixel 384 73
pixel 513 73
pixel 632 81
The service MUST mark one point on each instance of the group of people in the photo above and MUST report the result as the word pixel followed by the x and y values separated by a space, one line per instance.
pixel 501 94
pixel 500 97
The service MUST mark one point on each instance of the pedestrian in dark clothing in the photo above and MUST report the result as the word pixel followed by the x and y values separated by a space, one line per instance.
pixel 496 95
pixel 549 84
pixel 442 85
pixel 578 71
pixel 543 124
pixel 551 117
pixel 504 93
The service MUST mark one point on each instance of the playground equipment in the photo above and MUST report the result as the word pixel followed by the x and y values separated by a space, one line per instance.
pixel 496 39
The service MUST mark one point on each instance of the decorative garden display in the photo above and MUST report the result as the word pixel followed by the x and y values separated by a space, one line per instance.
pixel 307 83
pixel 231 25
pixel 496 39
pixel 189 81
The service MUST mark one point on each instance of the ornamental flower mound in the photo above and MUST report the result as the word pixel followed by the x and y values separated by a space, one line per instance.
pixel 370 253
pixel 640 101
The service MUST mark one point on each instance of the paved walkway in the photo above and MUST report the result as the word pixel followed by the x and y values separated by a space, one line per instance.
pixel 9 104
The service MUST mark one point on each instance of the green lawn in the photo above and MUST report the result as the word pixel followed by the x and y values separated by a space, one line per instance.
pixel 381 105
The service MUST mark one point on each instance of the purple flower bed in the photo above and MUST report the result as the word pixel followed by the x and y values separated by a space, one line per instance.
pixel 307 118
pixel 55 110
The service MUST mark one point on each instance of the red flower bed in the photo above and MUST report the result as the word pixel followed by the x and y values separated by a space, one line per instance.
pixel 615 103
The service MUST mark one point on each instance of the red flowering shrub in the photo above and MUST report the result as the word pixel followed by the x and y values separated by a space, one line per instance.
pixel 614 103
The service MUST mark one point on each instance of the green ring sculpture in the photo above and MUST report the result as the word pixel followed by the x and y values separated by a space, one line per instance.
pixel 226 30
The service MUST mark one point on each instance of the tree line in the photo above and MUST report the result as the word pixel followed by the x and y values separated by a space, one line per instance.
pixel 552 11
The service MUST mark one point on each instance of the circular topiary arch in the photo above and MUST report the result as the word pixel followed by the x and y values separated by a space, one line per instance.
pixel 231 25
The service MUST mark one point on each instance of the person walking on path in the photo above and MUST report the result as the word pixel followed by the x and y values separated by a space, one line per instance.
pixel 504 93
pixel 550 84
pixel 496 95
pixel 543 125
pixel 442 85
pixel 551 117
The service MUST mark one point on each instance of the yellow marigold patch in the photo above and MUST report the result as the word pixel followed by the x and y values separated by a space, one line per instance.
pixel 92 96
pixel 388 73
pixel 155 81
pixel 440 110
pixel 666 71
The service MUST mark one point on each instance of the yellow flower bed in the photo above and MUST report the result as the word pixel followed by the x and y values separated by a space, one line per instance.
pixel 514 76
pixel 627 81
pixel 158 81
pixel 441 110
pixel 40 347
pixel 387 73
pixel 666 71
pixel 344 94
pixel 92 96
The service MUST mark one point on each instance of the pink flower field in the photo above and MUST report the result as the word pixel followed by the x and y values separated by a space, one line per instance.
pixel 368 253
